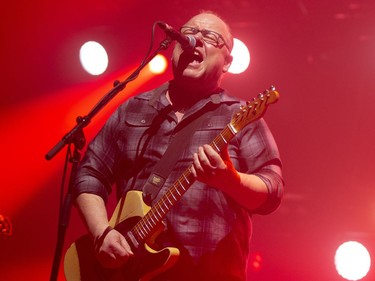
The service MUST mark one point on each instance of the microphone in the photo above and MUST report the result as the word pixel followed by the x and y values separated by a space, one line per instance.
pixel 187 42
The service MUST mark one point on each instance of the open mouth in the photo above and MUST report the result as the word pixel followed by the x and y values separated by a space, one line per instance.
pixel 196 57
pixel 193 57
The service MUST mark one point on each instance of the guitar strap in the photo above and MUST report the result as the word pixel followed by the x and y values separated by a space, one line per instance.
pixel 165 165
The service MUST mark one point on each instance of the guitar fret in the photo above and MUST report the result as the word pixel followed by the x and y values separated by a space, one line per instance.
pixel 225 141
pixel 160 216
pixel 151 223
pixel 147 226
pixel 144 229
pixel 232 129
pixel 173 197
pixel 164 210
pixel 155 223
pixel 152 217
pixel 178 192
pixel 162 207
pixel 181 188
pixel 141 232
pixel 170 198
pixel 217 149
pixel 181 185
pixel 156 211
pixel 169 201
pixel 186 179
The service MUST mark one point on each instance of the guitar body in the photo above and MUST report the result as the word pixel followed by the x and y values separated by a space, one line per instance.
pixel 80 262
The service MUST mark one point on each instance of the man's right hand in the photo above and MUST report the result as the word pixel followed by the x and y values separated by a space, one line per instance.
pixel 113 251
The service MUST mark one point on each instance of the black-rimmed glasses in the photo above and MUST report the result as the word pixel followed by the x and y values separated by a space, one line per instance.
pixel 209 36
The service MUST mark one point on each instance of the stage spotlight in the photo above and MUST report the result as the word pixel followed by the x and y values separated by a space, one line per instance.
pixel 93 57
pixel 158 64
pixel 241 57
pixel 352 260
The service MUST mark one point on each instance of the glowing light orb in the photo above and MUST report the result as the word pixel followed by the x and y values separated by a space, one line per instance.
pixel 93 57
pixel 158 64
pixel 241 57
pixel 352 260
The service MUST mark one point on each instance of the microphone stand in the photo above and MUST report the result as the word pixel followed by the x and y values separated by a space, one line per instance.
pixel 76 137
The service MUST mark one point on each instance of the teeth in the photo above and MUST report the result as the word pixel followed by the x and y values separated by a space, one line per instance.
pixel 198 56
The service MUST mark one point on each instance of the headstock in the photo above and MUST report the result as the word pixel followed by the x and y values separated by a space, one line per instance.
pixel 254 109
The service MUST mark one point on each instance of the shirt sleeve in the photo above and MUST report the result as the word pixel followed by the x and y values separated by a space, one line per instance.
pixel 95 173
pixel 259 155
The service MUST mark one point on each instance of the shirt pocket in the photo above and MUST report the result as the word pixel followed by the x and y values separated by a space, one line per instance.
pixel 141 121
pixel 135 128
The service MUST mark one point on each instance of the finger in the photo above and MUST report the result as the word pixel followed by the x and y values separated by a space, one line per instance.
pixel 126 246
pixel 216 161
pixel 192 169
pixel 205 157
pixel 197 164
pixel 121 248
pixel 199 169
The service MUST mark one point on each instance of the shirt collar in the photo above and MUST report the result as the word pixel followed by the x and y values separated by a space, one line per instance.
pixel 158 96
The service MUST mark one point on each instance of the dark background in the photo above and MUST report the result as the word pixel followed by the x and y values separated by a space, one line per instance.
pixel 319 54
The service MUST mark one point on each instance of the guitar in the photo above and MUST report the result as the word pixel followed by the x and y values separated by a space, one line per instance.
pixel 141 224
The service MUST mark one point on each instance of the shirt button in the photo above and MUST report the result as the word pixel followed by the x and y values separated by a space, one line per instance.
pixel 143 121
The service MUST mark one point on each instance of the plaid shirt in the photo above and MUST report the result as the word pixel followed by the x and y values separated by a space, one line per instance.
pixel 209 228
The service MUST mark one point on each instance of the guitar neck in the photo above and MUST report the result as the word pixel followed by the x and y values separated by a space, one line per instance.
pixel 150 222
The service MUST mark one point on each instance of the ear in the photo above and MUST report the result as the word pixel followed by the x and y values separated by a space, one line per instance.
pixel 227 63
